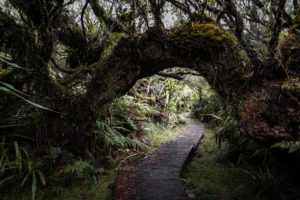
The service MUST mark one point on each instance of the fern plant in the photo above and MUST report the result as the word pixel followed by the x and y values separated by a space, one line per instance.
pixel 115 138
pixel 83 170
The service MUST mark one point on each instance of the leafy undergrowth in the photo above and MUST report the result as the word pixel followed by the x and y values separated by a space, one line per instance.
pixel 210 176
pixel 81 180
pixel 158 134
pixel 154 135
pixel 77 189
pixel 135 125
pixel 101 190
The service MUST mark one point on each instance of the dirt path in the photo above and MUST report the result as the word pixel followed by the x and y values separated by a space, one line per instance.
pixel 157 178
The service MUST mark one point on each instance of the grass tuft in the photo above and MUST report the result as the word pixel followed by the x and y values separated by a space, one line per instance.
pixel 157 134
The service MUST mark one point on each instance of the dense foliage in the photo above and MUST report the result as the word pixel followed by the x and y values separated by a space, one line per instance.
pixel 136 124
pixel 64 63
pixel 231 165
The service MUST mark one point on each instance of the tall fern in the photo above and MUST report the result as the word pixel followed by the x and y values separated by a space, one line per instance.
pixel 115 138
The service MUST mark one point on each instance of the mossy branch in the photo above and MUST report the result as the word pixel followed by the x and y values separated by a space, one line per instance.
pixel 101 14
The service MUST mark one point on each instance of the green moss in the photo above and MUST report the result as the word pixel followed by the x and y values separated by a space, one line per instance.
pixel 208 19
pixel 212 44
pixel 110 45
pixel 208 177
pixel 204 39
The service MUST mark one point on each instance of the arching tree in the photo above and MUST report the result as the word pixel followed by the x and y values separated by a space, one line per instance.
pixel 247 50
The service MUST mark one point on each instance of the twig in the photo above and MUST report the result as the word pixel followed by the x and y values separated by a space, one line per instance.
pixel 281 64
pixel 130 156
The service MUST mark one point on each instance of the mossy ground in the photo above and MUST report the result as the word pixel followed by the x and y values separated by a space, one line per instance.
pixel 207 178
pixel 209 175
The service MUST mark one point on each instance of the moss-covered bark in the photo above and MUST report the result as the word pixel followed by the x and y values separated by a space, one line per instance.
pixel 268 108
pixel 271 112
pixel 262 106
pixel 204 47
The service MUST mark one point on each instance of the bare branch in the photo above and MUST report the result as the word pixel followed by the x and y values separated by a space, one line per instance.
pixel 81 18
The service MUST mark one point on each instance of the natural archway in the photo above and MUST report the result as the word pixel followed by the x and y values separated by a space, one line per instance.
pixel 264 92
pixel 69 59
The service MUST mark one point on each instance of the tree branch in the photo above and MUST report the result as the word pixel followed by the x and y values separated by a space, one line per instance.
pixel 178 75
pixel 277 26
pixel 81 18
pixel 239 27
pixel 101 14
pixel 156 6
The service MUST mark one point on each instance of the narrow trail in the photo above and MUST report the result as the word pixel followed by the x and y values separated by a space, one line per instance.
pixel 157 177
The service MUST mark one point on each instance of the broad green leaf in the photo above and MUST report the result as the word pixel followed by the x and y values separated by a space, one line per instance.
pixel 22 136
pixel 33 186
pixel 38 105
pixel 12 64
pixel 280 145
pixel 25 179
pixel 18 153
pixel 24 151
pixel 29 165
pixel 42 177
pixel 18 156
pixel 13 125
pixel 6 90
pixel 8 179
pixel 2 160
pixel 9 86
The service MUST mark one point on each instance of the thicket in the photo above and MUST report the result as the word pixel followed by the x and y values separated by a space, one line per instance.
pixel 79 56
pixel 136 124
pixel 258 171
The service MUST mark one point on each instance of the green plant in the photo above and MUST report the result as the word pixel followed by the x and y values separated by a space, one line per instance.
pixel 157 134
pixel 80 190
pixel 17 166
pixel 209 107
pixel 208 175
pixel 115 138
pixel 11 90
pixel 83 170
pixel 262 184
pixel 241 148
